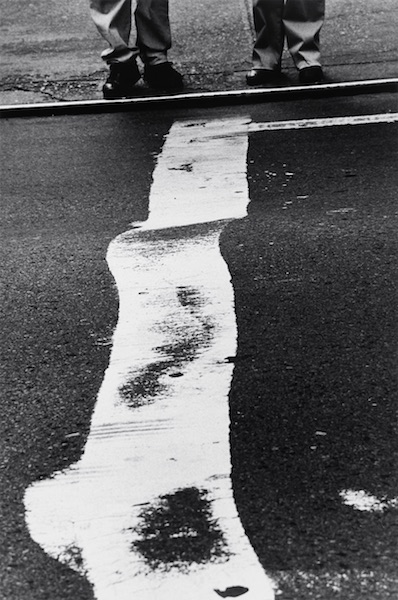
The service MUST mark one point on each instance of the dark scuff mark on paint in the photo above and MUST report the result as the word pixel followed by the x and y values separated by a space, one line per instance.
pixel 232 592
pixel 189 296
pixel 145 386
pixel 188 167
pixel 72 557
pixel 178 530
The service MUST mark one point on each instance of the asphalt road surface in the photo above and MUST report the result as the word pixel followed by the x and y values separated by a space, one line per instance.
pixel 313 267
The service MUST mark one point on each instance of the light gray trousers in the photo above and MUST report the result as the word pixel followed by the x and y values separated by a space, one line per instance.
pixel 297 21
pixel 113 19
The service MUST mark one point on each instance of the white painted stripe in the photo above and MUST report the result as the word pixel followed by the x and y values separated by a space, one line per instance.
pixel 325 122
pixel 176 325
pixel 296 124
pixel 201 176
pixel 310 124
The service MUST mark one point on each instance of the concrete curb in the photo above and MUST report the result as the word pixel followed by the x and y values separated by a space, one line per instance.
pixel 202 99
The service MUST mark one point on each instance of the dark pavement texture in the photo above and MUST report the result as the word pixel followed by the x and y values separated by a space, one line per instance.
pixel 315 283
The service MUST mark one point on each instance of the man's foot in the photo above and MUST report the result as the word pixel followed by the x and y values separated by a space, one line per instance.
pixel 121 80
pixel 312 74
pixel 262 76
pixel 163 77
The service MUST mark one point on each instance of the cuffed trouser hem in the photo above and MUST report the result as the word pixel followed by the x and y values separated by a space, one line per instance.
pixel 113 56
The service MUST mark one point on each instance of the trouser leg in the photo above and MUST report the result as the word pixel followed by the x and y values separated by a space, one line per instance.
pixel 153 30
pixel 113 20
pixel 268 24
pixel 303 20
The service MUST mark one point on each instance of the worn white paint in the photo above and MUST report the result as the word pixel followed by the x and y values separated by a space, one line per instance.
pixel 318 123
pixel 201 176
pixel 325 122
pixel 176 319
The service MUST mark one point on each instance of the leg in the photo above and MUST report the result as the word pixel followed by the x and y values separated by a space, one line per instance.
pixel 303 20
pixel 153 41
pixel 268 24
pixel 113 20
pixel 153 30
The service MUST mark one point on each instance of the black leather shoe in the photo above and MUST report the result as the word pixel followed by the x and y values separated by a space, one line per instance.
pixel 121 80
pixel 311 74
pixel 163 77
pixel 262 77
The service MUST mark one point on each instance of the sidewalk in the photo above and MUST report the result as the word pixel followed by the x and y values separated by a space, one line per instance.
pixel 51 51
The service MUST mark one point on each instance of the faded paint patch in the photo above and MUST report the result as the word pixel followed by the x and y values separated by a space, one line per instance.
pixel 361 500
